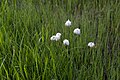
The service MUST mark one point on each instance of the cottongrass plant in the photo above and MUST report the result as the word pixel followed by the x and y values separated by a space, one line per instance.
pixel 66 42
pixel 68 23
pixel 76 31
pixel 91 44
pixel 59 56
pixel 56 37
pixel 53 38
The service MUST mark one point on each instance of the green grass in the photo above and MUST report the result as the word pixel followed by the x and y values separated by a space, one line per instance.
pixel 26 52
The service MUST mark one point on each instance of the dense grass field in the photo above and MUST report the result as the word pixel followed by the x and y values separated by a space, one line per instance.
pixel 27 53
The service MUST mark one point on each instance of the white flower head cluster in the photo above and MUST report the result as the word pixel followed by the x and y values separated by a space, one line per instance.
pixel 91 44
pixel 68 23
pixel 56 37
pixel 66 42
pixel 76 31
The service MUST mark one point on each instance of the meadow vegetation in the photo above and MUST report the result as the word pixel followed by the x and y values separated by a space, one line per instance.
pixel 27 53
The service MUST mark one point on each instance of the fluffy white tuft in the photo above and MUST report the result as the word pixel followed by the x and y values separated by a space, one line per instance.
pixel 91 44
pixel 68 23
pixel 76 31
pixel 66 42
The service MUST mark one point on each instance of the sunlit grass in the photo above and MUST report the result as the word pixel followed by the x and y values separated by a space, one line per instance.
pixel 27 53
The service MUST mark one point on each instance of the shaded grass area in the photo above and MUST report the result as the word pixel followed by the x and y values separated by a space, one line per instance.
pixel 26 52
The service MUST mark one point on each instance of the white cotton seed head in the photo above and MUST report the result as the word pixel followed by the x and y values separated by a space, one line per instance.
pixel 57 38
pixel 68 23
pixel 91 44
pixel 76 31
pixel 66 42
pixel 58 34
pixel 53 38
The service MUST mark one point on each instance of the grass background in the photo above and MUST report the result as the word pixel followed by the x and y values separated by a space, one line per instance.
pixel 26 52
